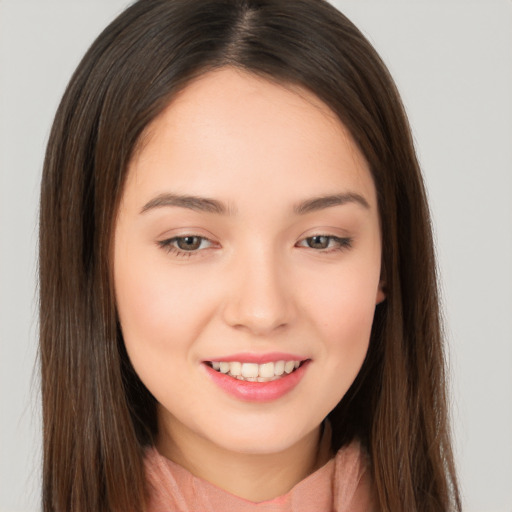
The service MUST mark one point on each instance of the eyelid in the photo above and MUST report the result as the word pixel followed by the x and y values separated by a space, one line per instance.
pixel 167 245
pixel 342 242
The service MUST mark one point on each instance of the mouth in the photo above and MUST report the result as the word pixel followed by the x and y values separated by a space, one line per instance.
pixel 254 372
pixel 257 378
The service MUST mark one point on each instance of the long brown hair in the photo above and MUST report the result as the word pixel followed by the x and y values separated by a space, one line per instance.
pixel 97 415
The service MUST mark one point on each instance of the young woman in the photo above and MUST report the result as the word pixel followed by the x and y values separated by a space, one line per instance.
pixel 238 289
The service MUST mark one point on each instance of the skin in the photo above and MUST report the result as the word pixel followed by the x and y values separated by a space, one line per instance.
pixel 254 284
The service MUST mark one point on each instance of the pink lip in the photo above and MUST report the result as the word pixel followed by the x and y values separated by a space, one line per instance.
pixel 257 391
pixel 271 357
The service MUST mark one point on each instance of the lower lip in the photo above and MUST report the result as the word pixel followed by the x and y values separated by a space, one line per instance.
pixel 257 391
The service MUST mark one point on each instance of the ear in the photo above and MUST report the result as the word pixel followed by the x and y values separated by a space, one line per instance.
pixel 381 292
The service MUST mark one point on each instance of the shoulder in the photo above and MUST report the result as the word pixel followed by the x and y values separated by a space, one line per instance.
pixel 353 486
pixel 161 484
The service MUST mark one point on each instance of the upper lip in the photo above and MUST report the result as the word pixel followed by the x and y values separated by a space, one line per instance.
pixel 270 357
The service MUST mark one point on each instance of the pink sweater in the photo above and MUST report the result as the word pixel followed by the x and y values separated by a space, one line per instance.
pixel 341 485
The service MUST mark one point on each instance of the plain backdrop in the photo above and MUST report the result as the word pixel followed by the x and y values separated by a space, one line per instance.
pixel 452 61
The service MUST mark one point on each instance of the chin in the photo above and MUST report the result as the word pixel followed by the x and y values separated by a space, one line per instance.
pixel 260 439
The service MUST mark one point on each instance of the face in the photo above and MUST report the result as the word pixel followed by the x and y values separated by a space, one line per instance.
pixel 247 243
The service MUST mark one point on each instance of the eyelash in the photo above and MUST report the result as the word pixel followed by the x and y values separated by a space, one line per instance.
pixel 171 249
pixel 342 244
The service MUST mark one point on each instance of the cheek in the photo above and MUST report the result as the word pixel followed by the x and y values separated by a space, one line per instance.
pixel 347 335
pixel 159 320
pixel 348 316
pixel 158 309
pixel 344 310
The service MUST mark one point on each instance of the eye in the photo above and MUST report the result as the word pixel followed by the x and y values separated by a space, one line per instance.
pixel 185 245
pixel 326 243
pixel 189 243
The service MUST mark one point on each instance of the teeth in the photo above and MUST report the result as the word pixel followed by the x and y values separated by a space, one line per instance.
pixel 279 368
pixel 249 370
pixel 254 372
pixel 289 366
pixel 235 368
pixel 266 370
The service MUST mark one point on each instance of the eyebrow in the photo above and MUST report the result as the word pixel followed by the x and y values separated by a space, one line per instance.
pixel 199 204
pixel 204 204
pixel 320 203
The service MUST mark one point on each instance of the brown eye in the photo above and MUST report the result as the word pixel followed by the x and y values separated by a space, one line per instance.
pixel 189 243
pixel 318 241
pixel 326 243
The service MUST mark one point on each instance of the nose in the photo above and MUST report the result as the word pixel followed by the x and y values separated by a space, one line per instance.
pixel 260 299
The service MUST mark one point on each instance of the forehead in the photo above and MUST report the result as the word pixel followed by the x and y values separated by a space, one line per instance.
pixel 235 127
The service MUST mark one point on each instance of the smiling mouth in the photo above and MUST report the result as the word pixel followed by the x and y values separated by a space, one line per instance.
pixel 253 372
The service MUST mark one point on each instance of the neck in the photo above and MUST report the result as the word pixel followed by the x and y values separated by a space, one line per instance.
pixel 254 477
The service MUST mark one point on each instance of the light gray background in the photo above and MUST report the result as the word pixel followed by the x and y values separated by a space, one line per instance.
pixel 452 61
